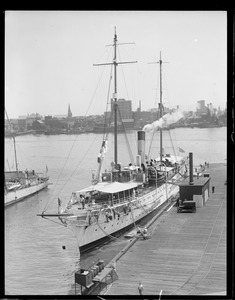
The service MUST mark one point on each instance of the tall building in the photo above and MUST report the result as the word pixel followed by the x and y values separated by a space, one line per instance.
pixel 201 108
pixel 125 109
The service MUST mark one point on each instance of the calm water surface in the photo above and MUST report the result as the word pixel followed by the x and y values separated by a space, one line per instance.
pixel 35 262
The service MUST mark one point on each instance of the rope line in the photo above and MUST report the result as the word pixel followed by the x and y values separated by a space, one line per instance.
pixel 66 160
pixel 65 273
pixel 111 70
pixel 127 142
pixel 123 75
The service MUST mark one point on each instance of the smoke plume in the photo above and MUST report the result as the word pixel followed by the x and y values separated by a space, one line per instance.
pixel 165 121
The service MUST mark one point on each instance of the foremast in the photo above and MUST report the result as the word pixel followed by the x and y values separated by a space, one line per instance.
pixel 115 104
pixel 115 108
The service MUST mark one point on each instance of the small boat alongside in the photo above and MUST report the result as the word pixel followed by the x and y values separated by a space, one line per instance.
pixel 21 184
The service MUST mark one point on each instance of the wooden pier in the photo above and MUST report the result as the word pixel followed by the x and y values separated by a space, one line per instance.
pixel 186 252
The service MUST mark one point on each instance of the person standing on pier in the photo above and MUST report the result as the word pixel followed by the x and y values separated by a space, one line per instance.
pixel 140 288
pixel 213 189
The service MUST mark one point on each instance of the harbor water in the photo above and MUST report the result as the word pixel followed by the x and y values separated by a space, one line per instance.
pixel 42 255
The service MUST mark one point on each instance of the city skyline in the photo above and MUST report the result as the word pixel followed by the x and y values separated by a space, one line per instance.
pixel 49 57
pixel 65 114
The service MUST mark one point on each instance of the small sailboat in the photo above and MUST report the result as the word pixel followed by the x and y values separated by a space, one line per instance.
pixel 21 184
pixel 123 195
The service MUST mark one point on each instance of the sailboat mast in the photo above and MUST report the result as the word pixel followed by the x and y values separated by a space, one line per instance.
pixel 161 113
pixel 115 97
pixel 16 163
pixel 14 142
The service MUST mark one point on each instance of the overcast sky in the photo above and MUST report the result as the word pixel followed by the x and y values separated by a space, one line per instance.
pixel 49 57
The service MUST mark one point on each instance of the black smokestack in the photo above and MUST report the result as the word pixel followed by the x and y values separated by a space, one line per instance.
pixel 141 145
pixel 191 168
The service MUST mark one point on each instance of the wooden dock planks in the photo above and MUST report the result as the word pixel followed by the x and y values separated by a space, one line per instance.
pixel 186 254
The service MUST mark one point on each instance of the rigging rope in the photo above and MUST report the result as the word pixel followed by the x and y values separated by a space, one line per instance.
pixel 55 196
pixel 128 144
pixel 107 234
pixel 54 221
pixel 173 147
pixel 131 204
pixel 69 266
pixel 107 104
pixel 66 160
pixel 140 206
pixel 123 76
pixel 151 142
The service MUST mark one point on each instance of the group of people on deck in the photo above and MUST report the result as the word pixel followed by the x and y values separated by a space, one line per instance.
pixel 82 200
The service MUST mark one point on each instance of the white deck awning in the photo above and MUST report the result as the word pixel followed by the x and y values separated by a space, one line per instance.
pixel 109 187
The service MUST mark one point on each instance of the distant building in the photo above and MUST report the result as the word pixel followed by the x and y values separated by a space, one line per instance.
pixel 70 115
pixel 25 122
pixel 201 110
pixel 39 125
pixel 12 125
pixel 22 125
pixel 60 117
pixel 124 110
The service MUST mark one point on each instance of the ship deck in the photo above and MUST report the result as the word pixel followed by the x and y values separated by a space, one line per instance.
pixel 185 254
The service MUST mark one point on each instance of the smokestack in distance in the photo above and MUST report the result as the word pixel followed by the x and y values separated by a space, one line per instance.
pixel 191 168
pixel 141 145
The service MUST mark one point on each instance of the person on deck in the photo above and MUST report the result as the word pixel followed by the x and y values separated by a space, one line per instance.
pixel 82 201
pixel 145 231
pixel 113 265
pixel 140 288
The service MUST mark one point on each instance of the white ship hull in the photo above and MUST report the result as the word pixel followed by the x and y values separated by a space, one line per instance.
pixel 18 195
pixel 140 207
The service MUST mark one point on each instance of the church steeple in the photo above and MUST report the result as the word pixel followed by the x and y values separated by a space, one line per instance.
pixel 69 112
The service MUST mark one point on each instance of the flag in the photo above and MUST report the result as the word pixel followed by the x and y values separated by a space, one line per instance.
pixel 181 150
pixel 60 210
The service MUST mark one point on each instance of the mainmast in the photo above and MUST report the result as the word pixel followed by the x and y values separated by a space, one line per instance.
pixel 160 106
pixel 160 62
pixel 115 104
